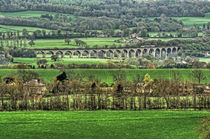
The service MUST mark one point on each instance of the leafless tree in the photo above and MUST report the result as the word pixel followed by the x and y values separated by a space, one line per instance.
pixel 198 75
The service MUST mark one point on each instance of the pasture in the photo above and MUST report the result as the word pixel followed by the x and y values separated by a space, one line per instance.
pixel 191 21
pixel 207 60
pixel 101 124
pixel 105 75
pixel 31 14
pixel 168 39
pixel 4 28
pixel 65 61
pixel 60 43
pixel 168 33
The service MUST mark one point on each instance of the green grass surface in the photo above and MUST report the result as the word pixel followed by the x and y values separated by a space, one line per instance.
pixel 101 124
pixel 168 33
pixel 105 75
pixel 29 14
pixel 190 21
pixel 5 28
pixel 65 61
pixel 168 39
pixel 26 14
pixel 60 43
pixel 207 60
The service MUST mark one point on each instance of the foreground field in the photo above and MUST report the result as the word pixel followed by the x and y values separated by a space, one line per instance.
pixel 101 124
pixel 105 75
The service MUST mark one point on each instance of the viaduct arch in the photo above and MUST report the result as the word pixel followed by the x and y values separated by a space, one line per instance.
pixel 122 52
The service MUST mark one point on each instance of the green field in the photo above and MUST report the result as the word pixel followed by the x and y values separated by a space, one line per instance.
pixel 207 60
pixel 168 33
pixel 190 21
pixel 26 14
pixel 60 43
pixel 101 124
pixel 168 39
pixel 29 14
pixel 105 75
pixel 5 28
pixel 65 61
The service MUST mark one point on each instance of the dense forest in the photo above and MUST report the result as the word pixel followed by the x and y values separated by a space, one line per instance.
pixel 111 8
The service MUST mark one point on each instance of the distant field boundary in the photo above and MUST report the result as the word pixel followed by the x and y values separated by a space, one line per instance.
pixel 105 75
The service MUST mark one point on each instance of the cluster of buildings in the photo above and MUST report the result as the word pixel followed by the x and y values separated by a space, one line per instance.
pixel 134 39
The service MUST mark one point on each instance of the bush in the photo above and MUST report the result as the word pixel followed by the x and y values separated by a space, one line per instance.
pixel 204 130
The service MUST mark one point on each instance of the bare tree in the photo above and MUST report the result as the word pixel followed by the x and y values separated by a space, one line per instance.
pixel 204 129
pixel 198 75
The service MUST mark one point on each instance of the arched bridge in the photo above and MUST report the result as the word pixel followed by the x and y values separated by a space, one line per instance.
pixel 121 52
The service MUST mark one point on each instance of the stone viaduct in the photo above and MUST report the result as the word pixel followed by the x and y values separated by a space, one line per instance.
pixel 121 52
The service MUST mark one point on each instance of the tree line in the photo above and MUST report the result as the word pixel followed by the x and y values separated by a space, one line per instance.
pixel 70 92
pixel 110 19
pixel 112 8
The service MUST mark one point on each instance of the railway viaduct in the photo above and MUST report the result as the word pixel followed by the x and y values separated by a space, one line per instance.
pixel 121 52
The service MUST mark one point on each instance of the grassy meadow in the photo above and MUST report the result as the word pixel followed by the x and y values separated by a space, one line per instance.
pixel 105 75
pixel 65 61
pixel 207 60
pixel 168 33
pixel 168 39
pixel 60 43
pixel 26 14
pixel 30 14
pixel 191 21
pixel 101 124
pixel 4 28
